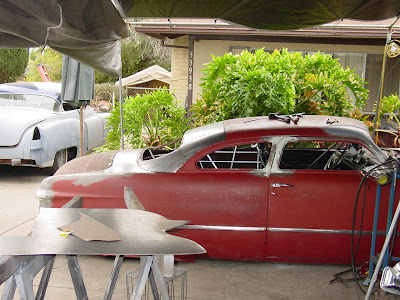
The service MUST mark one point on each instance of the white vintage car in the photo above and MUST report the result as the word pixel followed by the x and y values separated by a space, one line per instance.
pixel 38 131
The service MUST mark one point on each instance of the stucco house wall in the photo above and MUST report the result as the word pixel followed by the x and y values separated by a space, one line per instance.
pixel 179 69
pixel 357 45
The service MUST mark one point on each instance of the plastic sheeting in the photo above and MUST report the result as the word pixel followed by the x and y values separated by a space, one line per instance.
pixel 86 30
pixel 266 14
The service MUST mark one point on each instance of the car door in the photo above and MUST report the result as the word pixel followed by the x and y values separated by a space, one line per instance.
pixel 223 191
pixel 311 209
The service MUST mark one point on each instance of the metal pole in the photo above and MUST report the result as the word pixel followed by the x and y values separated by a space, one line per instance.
pixel 113 277
pixel 81 131
pixel 121 104
pixel 388 38
pixel 383 251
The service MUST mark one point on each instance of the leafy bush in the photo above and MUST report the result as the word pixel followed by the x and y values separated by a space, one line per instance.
pixel 12 64
pixel 139 52
pixel 50 59
pixel 389 105
pixel 150 120
pixel 256 84
pixel 105 91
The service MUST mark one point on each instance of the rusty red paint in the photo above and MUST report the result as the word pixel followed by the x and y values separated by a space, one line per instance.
pixel 289 217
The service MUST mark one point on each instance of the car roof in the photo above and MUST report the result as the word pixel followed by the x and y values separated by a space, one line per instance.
pixel 307 125
pixel 52 89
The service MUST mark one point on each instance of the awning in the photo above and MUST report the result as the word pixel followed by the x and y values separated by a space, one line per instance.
pixel 267 14
pixel 89 30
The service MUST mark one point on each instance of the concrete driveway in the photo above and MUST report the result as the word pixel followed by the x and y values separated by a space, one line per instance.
pixel 206 279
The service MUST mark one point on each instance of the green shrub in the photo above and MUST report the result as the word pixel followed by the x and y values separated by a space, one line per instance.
pixel 253 84
pixel 12 64
pixel 150 120
pixel 389 105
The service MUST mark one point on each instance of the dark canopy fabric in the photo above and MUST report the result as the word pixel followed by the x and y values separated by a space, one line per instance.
pixel 86 30
pixel 89 30
pixel 266 14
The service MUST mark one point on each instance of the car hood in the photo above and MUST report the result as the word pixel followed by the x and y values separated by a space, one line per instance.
pixel 15 122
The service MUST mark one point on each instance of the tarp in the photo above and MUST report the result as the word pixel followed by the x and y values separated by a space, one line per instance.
pixel 77 86
pixel 266 14
pixel 86 30
pixel 89 30
pixel 151 73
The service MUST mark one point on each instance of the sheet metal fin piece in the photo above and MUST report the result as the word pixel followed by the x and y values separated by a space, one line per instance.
pixel 89 229
pixel 141 232
pixel 131 200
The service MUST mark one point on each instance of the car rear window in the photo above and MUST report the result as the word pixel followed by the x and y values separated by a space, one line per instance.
pixel 249 156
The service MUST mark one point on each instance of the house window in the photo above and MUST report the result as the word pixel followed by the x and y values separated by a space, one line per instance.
pixel 237 49
pixel 368 66
pixel 373 75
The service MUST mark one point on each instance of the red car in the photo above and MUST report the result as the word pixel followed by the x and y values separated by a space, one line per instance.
pixel 255 188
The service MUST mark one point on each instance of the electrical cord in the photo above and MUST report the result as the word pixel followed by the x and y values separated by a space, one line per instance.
pixel 354 253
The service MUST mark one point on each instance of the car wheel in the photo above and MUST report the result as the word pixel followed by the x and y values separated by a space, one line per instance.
pixel 59 159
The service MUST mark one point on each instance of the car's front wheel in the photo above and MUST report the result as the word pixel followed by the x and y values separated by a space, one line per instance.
pixel 60 158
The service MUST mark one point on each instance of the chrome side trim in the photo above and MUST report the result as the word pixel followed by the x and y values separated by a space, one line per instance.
pixel 275 229
pixel 229 228
pixel 329 231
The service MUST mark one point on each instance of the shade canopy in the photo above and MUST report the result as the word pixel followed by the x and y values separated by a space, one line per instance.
pixel 266 14
pixel 86 30
pixel 89 30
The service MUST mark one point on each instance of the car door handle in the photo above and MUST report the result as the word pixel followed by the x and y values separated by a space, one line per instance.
pixel 277 185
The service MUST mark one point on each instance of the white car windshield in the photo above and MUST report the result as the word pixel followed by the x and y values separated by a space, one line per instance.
pixel 29 101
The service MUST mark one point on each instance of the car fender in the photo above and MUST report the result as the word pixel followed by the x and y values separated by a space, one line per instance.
pixel 96 128
pixel 54 136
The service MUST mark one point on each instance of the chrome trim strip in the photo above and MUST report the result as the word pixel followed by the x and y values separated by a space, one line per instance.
pixel 330 231
pixel 275 229
pixel 229 228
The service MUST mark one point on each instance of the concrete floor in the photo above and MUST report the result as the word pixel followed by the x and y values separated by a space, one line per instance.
pixel 206 279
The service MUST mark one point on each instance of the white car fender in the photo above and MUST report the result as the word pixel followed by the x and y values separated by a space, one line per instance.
pixel 54 136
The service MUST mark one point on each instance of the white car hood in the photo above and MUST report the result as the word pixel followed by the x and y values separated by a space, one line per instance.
pixel 14 122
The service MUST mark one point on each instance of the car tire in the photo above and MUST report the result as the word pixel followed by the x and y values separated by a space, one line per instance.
pixel 60 159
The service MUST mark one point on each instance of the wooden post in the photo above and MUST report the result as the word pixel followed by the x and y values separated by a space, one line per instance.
pixel 81 132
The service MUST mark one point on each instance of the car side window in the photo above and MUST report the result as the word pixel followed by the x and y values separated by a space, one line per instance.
pixel 322 155
pixel 249 156
pixel 49 103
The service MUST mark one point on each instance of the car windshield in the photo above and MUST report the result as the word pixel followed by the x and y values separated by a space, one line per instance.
pixel 29 101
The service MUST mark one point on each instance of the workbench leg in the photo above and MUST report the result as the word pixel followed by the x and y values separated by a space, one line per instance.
pixel 161 281
pixel 113 277
pixel 153 285
pixel 145 264
pixel 44 281
pixel 76 276
pixel 25 286
pixel 27 271
pixel 9 289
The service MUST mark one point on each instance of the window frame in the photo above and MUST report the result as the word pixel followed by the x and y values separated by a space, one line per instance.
pixel 219 146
